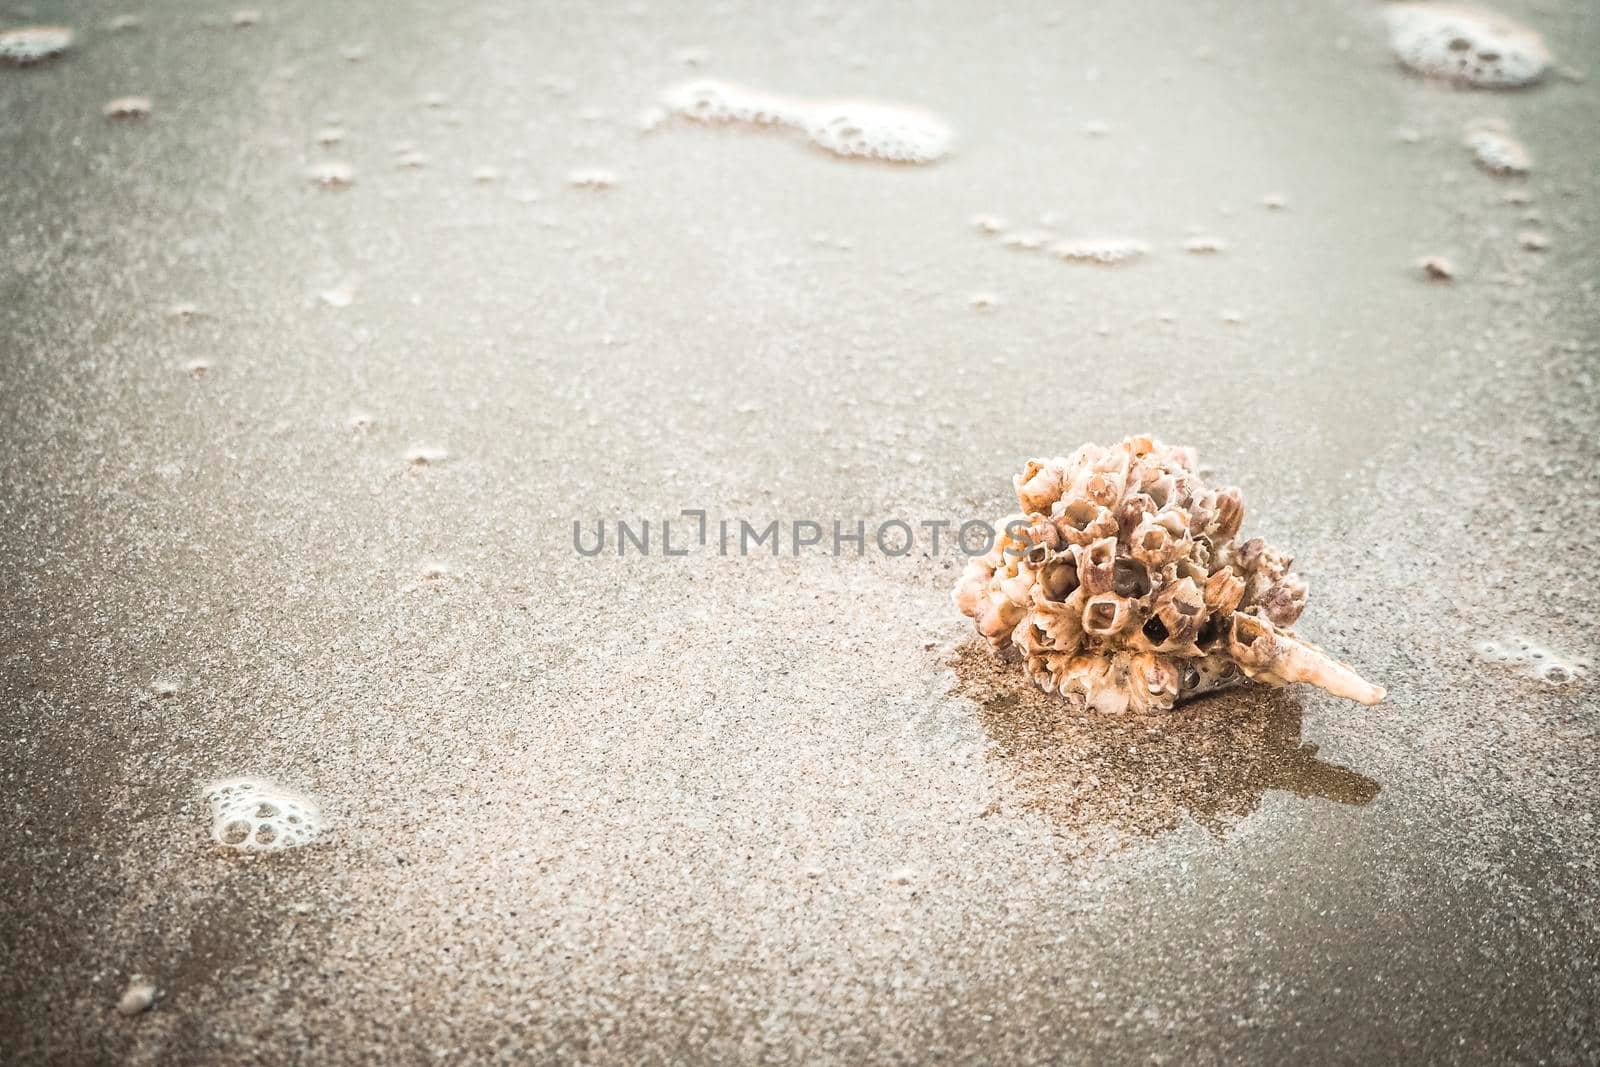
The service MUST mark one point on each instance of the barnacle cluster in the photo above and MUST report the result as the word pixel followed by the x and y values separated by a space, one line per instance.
pixel 1123 586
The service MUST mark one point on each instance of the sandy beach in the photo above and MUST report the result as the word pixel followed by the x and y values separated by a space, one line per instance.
pixel 310 363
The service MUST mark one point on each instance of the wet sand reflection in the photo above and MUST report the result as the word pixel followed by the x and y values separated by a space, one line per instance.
pixel 1100 777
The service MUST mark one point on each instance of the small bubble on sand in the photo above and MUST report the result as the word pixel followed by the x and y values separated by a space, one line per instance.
pixel 354 53
pixel 1556 674
pixel 246 17
pixel 330 135
pixel 184 311
pixel 591 178
pixel 340 296
pixel 1204 245
pixel 331 175
pixel 1478 48
pixel 120 23
pixel 1437 268
pixel 426 456
pixel 485 175
pixel 127 107
pixel 34 44
pixel 1232 318
pixel 986 301
pixel 1096 128
pixel 990 224
pixel 197 368
pixel 138 997
pixel 411 159
pixel 1108 250
pixel 251 814
pixel 1407 135
pixel 1275 201
pixel 433 100
pixel 1533 241
pixel 1494 148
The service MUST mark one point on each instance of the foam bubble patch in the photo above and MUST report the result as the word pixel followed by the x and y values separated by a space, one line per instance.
pixel 1534 660
pixel 856 128
pixel 34 44
pixel 1494 148
pixel 714 101
pixel 256 815
pixel 878 131
pixel 1101 250
pixel 1466 45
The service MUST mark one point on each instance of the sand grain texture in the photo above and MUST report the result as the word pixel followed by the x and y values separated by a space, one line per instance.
pixel 647 810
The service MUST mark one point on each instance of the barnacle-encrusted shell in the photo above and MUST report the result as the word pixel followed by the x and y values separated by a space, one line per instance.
pixel 1124 588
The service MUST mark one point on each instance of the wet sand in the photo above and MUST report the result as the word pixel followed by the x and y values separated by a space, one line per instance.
pixel 737 809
